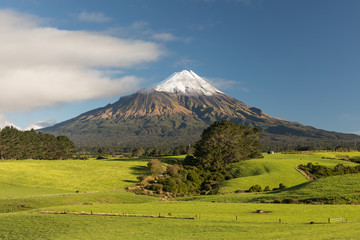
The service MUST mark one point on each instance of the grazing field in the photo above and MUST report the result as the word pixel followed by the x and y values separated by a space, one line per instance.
pixel 278 168
pixel 71 176
pixel 217 221
pixel 31 186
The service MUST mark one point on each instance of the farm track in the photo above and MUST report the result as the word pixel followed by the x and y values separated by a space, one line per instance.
pixel 308 177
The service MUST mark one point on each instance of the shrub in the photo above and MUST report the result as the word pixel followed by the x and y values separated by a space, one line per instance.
pixel 190 160
pixel 255 188
pixel 173 170
pixel 290 201
pixel 155 187
pixel 155 166
pixel 239 191
pixel 282 186
pixel 141 178
pixel 267 189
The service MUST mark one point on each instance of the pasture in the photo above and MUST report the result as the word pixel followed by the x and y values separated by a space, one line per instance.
pixel 31 186
pixel 279 168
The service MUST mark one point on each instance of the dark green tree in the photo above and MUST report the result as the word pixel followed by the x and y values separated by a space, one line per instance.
pixel 226 142
pixel 138 152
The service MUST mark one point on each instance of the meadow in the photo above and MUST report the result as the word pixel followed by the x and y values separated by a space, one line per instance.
pixel 31 186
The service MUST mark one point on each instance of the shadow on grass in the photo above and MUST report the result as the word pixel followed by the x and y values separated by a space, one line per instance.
pixel 172 160
pixel 130 181
pixel 167 160
pixel 291 192
pixel 140 170
pixel 293 188
pixel 144 159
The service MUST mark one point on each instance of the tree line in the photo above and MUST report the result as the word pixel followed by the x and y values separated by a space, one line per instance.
pixel 18 145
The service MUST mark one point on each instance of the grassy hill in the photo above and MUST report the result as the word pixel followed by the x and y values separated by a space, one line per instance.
pixel 31 186
pixel 278 168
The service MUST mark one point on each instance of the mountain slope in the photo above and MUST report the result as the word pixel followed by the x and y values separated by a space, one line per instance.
pixel 175 112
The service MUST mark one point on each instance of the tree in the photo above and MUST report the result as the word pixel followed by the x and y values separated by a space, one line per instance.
pixel 155 166
pixel 138 152
pixel 225 142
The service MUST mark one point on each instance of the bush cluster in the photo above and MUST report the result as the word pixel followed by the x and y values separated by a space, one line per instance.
pixel 257 188
pixel 182 179
pixel 318 171
pixel 221 144
pixel 287 201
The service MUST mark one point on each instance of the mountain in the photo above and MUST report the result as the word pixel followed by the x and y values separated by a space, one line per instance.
pixel 175 112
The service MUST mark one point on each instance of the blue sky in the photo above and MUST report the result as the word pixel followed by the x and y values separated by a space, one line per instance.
pixel 297 60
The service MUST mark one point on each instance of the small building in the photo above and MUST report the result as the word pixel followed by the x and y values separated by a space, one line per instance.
pixel 271 152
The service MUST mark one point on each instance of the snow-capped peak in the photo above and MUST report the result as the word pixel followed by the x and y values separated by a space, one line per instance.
pixel 186 82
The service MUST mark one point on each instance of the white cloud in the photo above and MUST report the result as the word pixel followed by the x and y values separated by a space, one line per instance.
pixel 40 124
pixel 185 63
pixel 4 122
pixel 166 37
pixel 96 17
pixel 225 84
pixel 45 66
pixel 142 29
pixel 140 26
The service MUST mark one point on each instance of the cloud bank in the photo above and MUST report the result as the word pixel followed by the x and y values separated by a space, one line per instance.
pixel 44 66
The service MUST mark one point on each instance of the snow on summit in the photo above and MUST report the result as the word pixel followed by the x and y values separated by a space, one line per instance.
pixel 186 82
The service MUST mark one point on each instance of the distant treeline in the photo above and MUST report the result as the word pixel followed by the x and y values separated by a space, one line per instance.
pixel 143 151
pixel 16 144
pixel 136 151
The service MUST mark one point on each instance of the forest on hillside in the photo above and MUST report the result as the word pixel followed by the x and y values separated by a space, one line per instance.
pixel 16 144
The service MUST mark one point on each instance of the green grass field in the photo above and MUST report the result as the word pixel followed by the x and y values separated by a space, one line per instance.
pixel 278 168
pixel 78 175
pixel 31 186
